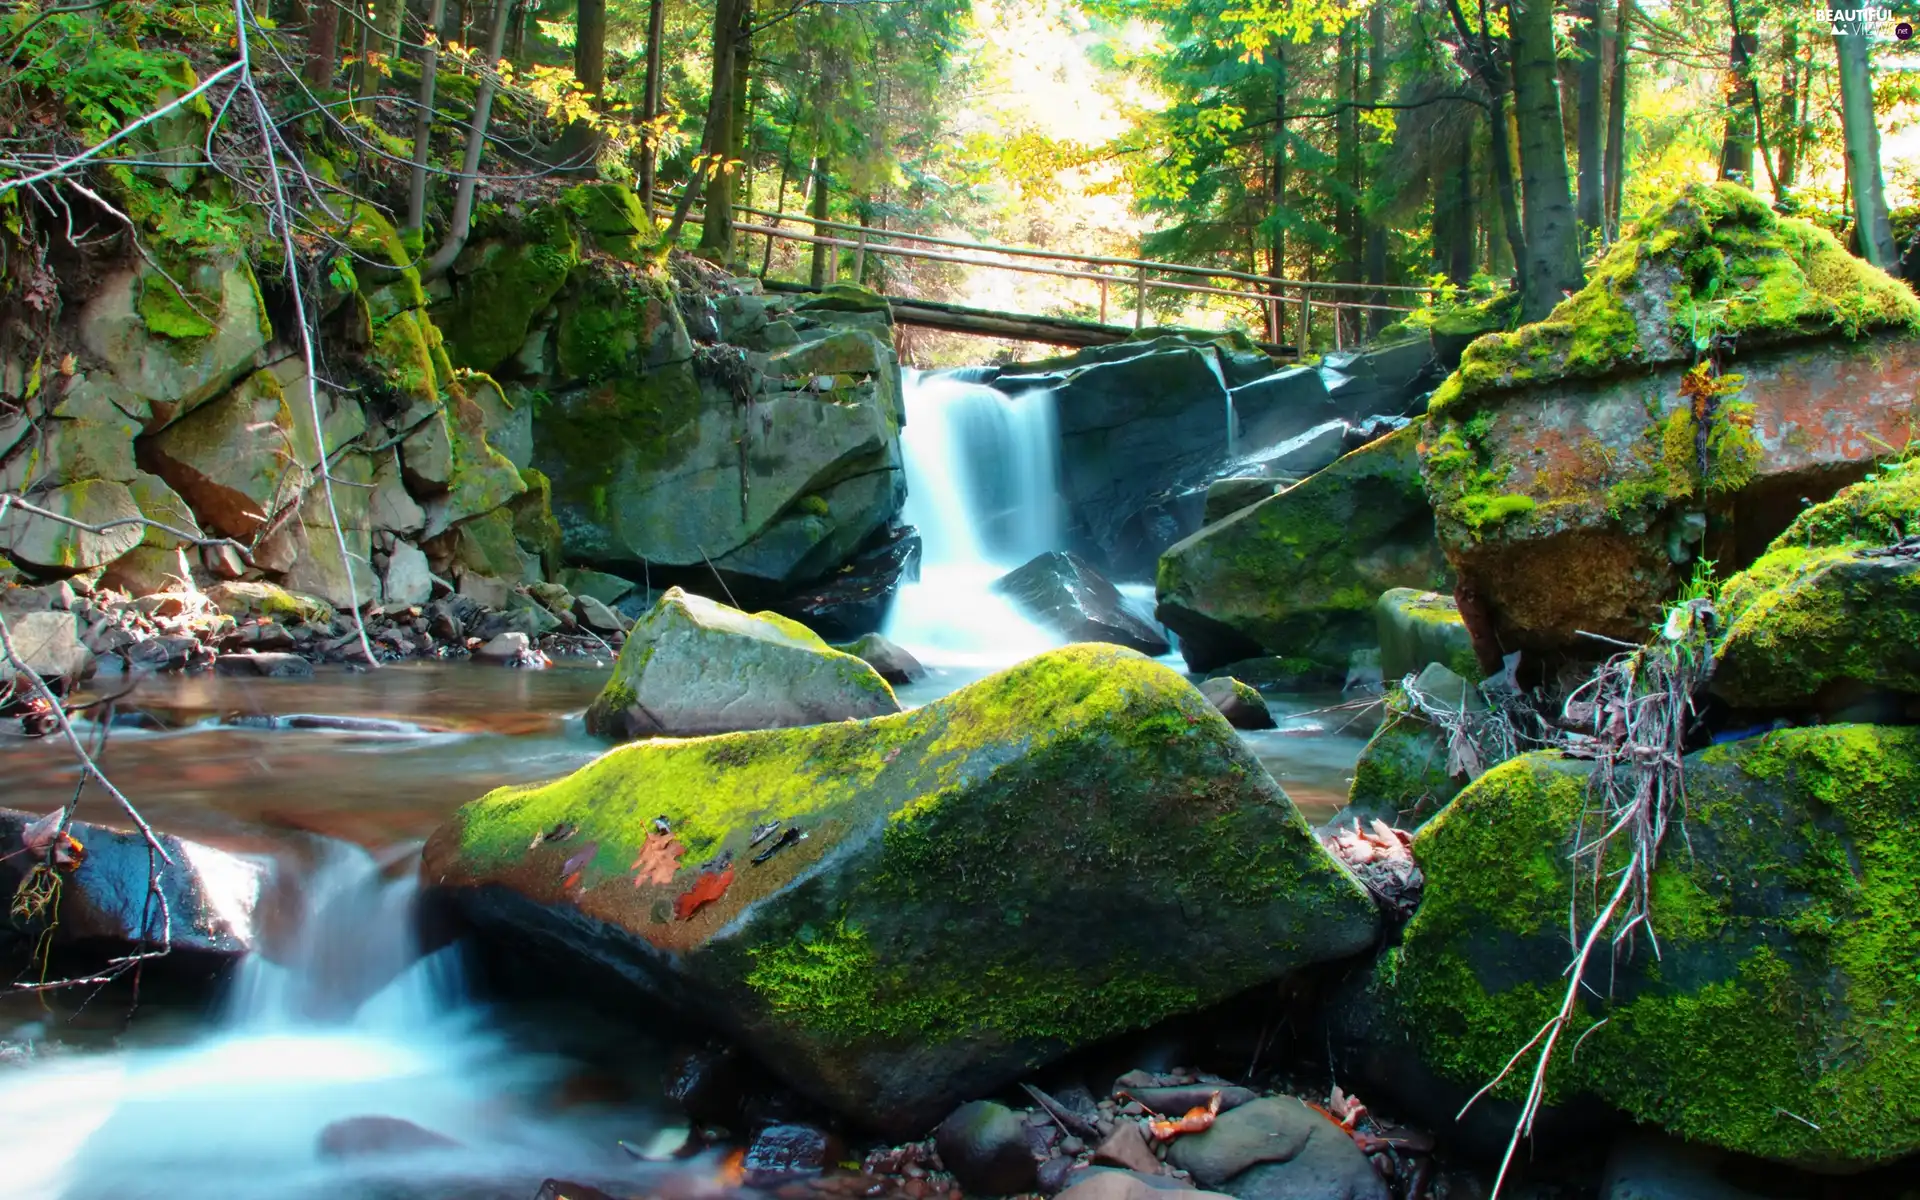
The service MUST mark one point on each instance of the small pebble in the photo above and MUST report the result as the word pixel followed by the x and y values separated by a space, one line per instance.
pixel 1072 1145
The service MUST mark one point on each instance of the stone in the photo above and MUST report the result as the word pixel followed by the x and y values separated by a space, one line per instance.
pixel 607 589
pixel 507 647
pixel 696 666
pixel 1298 574
pixel 1418 627
pixel 257 599
pixel 911 935
pixel 597 616
pixel 408 580
pixel 1783 932
pixel 1403 774
pixel 369 1137
pixel 1443 689
pixel 393 508
pixel 1126 1147
pixel 785 1152
pixel 488 591
pixel 984 1145
pixel 144 570
pixel 1278 1149
pixel 1648 1167
pixel 1241 705
pixel 106 902
pixel 855 600
pixel 426 453
pixel 1274 673
pixel 231 458
pixel 1310 450
pixel 262 665
pixel 1063 592
pixel 167 356
pixel 58 548
pixel 529 616
pixel 895 664
pixel 48 642
pixel 1228 496
pixel 1573 483
pixel 1103 1184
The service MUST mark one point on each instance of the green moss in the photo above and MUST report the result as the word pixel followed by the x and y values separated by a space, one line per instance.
pixel 496 300
pixel 1787 976
pixel 606 209
pixel 166 311
pixel 649 420
pixel 1714 263
pixel 1878 511
pixel 1403 767
pixel 814 505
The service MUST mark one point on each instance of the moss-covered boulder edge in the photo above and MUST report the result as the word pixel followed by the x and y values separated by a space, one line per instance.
pixel 1778 1020
pixel 1072 848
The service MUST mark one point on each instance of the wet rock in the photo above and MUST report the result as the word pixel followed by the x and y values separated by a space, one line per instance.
pixel 895 664
pixel 510 648
pixel 783 1153
pixel 1228 496
pixel 985 1146
pixel 1052 1176
pixel 1647 1167
pixel 1571 479
pixel 1177 1100
pixel 1063 592
pixel 674 840
pixel 1278 1149
pixel 1783 831
pixel 106 903
pixel 564 1189
pixel 855 600
pixel 696 666
pixel 262 666
pixel 267 636
pixel 49 644
pixel 1242 706
pixel 595 615
pixel 1297 574
pixel 167 652
pixel 1279 674
pixel 1417 628
pixel 369 1137
pixel 1126 1147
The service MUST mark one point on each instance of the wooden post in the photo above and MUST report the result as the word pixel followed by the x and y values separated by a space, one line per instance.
pixel 1103 301
pixel 1337 332
pixel 860 259
pixel 1140 301
pixel 1306 325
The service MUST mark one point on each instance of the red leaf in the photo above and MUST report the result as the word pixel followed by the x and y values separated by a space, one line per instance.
pixel 710 886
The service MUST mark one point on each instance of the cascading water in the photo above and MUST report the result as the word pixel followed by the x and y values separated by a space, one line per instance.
pixel 983 489
pixel 349 1023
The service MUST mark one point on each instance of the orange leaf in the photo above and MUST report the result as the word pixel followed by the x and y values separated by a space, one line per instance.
pixel 659 859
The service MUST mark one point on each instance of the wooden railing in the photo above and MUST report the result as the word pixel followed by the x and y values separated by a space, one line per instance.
pixel 1276 296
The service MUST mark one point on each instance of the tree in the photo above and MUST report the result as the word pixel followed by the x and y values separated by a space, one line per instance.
pixel 1551 266
pixel 1615 169
pixel 732 34
pixel 1873 231
pixel 1588 125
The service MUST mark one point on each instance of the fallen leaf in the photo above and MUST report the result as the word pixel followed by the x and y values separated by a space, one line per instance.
pixel 39 834
pixel 1198 1120
pixel 710 886
pixel 659 859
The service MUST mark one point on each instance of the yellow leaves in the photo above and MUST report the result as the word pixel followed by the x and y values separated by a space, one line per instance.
pixel 1264 22
pixel 718 164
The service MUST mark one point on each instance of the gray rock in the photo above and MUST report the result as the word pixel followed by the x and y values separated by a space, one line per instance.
pixel 1101 1183
pixel 229 457
pixel 607 589
pixel 695 666
pixel 1241 705
pixel 1271 1130
pixel 259 665
pixel 148 365
pixel 1644 1166
pixel 985 1146
pixel 597 616
pixel 48 642
pixel 1127 1147
pixel 1228 496
pixel 393 508
pixel 1444 689
pixel 511 646
pixel 895 664
pixel 55 547
pixel 408 580
pixel 1062 591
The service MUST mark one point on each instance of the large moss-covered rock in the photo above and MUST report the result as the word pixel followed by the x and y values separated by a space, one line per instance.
pixel 1404 774
pixel 500 284
pixel 694 665
pixel 935 935
pixel 1575 470
pixel 1778 1019
pixel 1417 628
pixel 174 352
pixel 1833 608
pixel 1298 574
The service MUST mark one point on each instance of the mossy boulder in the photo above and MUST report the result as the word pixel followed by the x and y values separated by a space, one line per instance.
pixel 1831 613
pixel 1777 1020
pixel 501 284
pixel 1417 628
pixel 1298 573
pixel 1403 774
pixel 174 352
pixel 1577 466
pixel 1073 848
pixel 694 666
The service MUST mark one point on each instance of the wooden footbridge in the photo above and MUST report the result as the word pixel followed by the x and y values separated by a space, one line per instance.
pixel 1288 305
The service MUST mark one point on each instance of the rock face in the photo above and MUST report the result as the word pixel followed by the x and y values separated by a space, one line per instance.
pixel 884 910
pixel 695 666
pixel 1417 628
pixel 1577 468
pixel 1785 933
pixel 1298 574
pixel 1829 616
pixel 1063 592
pixel 105 903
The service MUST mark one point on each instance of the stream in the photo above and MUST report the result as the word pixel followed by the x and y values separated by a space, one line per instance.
pixel 338 779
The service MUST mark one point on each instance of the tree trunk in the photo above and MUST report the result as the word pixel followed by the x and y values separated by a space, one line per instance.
pixel 379 38
pixel 1616 166
pixel 1376 232
pixel 1277 195
pixel 821 254
pixel 1346 226
pixel 1872 230
pixel 461 225
pixel 1789 172
pixel 650 102
pixel 1587 105
pixel 1453 214
pixel 323 46
pixel 423 121
pixel 1736 147
pixel 1552 262
pixel 730 24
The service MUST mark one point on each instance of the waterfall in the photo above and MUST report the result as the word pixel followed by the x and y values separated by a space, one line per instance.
pixel 983 489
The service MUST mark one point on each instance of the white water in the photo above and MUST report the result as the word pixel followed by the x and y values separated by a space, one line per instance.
pixel 350 1023
pixel 983 489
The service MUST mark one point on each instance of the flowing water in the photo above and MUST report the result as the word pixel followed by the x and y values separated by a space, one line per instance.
pixel 337 779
